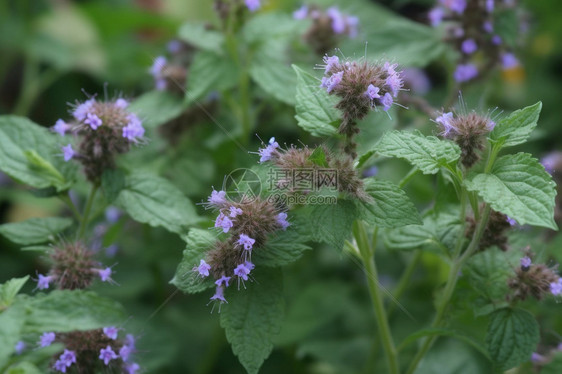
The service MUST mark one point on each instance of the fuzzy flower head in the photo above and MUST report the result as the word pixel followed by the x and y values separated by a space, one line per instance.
pixel 73 266
pixel 46 339
pixel 535 280
pixel 202 269
pixel 107 354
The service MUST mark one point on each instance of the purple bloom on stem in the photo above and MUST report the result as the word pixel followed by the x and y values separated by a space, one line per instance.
pixel 252 5
pixel 158 66
pixel 19 347
pixel 338 21
pixel 246 241
pixel 93 120
pixel 465 72
pixel 134 128
pixel 457 6
pixel 223 280
pixel 105 274
pixel 43 281
pixel 469 46
pixel 223 222
pixel 234 211
pixel 82 110
pixel 445 121
pixel 496 40
pixel 525 262
pixel 488 27
pixel 509 61
pixel 352 26
pixel 370 172
pixel 61 127
pixel 511 221
pixel 68 152
pixel 535 357
pixel 242 271
pixel 219 295
pixel 161 84
pixel 121 103
pixel 436 16
pixel 301 13
pixel 68 357
pixel 46 339
pixel 112 214
pixel 330 62
pixel 217 198
pixel 549 162
pixel 282 220
pixel 125 352
pixel 386 101
pixel 372 92
pixel 556 287
pixel 489 6
pixel 266 153
pixel 60 366
pixel 203 268
pixel 333 81
pixel 132 368
pixel 111 332
pixel 107 354
pixel 174 46
pixel 394 82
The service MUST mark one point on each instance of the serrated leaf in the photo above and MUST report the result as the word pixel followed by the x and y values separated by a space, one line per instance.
pixel 517 127
pixel 112 182
pixel 512 336
pixel 316 112
pixel 28 153
pixel 35 230
pixel 198 241
pixel 157 107
pixel 519 187
pixel 153 200
pixel 9 290
pixel 272 75
pixel 281 250
pixel 390 207
pixel 253 317
pixel 64 310
pixel 428 153
pixel 209 72
pixel 198 35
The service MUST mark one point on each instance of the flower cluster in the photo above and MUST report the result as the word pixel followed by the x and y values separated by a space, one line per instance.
pixel 361 87
pixel 537 280
pixel 471 29
pixel 105 129
pixel 467 130
pixel 248 223
pixel 91 350
pixel 327 27
pixel 495 233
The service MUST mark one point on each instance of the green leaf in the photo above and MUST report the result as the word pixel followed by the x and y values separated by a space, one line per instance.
pixel 210 72
pixel 24 367
pixel 11 325
pixel 268 26
pixel 518 186
pixel 318 156
pixel 516 128
pixel 390 207
pixel 64 310
pixel 157 107
pixel 198 241
pixel 35 230
pixel 198 35
pixel 281 250
pixel 316 112
pixel 153 200
pixel 512 336
pixel 253 317
pixel 554 366
pixel 428 153
pixel 272 75
pixel 9 290
pixel 112 182
pixel 28 153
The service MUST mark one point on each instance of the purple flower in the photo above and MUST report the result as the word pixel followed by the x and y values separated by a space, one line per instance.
pixel 132 368
pixel 68 357
pixel 93 120
pixel 332 82
pixel 457 6
pixel 112 214
pixel 266 153
pixel 445 120
pixel 243 270
pixel 330 62
pixel 161 84
pixel 496 40
pixel 246 241
pixel 386 101
pixel 61 127
pixel 489 6
pixel 535 357
pixel 83 109
pixel 394 82
pixel 125 352
pixel 556 287
pixel 488 27
pixel 417 80
pixel 19 347
pixel 549 161
pixel 338 21
pixel 121 103
pixel 134 128
pixel 282 220
pixel 130 340
pixel 370 172
pixel 372 92
pixel 174 46
pixel 234 211
pixel 46 339
pixel 469 46
pixel 490 125
pixel 223 222
pixel 301 13
pixel 436 16
pixel 111 332
pixel 158 66
pixel 107 354
pixel 525 262
pixel 68 152
pixel 511 221
pixel 465 72
pixel 202 269
pixel 219 295
pixel 60 366
pixel 223 280
pixel 217 198
pixel 252 5
pixel 509 61
pixel 43 281
pixel 105 274
pixel 352 26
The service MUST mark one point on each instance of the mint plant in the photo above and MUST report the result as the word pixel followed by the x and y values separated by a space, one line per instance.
pixel 331 215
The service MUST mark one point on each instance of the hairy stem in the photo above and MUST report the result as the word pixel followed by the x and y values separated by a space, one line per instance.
pixel 405 280
pixel 87 209
pixel 66 199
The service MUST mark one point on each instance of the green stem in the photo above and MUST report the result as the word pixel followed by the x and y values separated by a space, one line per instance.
pixel 405 280
pixel 408 176
pixel 66 199
pixel 87 210
pixel 367 256
pixel 450 287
